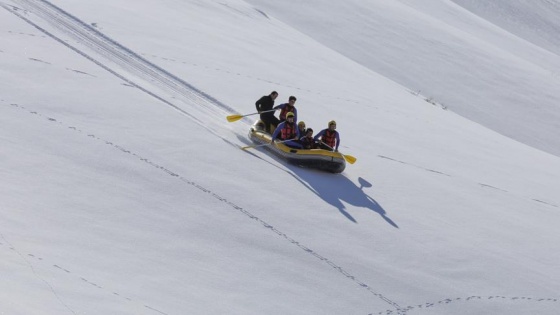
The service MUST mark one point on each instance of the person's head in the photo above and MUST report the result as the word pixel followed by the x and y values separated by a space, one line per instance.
pixel 274 95
pixel 301 125
pixel 309 132
pixel 290 117
pixel 332 125
pixel 292 100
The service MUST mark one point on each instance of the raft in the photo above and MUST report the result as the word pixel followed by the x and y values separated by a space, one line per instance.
pixel 320 159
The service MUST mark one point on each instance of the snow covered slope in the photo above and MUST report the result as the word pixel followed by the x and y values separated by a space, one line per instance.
pixel 124 191
pixel 489 61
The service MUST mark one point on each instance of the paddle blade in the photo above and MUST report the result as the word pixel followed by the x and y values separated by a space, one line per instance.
pixel 350 159
pixel 232 118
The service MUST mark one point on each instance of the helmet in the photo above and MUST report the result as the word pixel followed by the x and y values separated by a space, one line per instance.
pixel 289 114
pixel 332 122
pixel 301 123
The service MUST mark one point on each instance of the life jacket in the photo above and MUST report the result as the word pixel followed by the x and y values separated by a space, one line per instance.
pixel 285 110
pixel 289 131
pixel 329 137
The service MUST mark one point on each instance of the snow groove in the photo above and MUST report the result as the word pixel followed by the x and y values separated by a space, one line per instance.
pixel 396 308
pixel 124 58
pixel 480 184
pixel 49 285
pixel 428 305
pixel 83 54
pixel 331 97
pixel 69 273
pixel 233 205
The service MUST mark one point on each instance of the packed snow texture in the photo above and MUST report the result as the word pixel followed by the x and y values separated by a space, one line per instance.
pixel 124 189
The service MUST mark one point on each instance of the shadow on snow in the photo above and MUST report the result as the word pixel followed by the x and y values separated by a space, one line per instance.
pixel 338 189
pixel 332 188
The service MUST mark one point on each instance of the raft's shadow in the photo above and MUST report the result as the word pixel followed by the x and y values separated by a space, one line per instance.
pixel 336 189
pixel 332 188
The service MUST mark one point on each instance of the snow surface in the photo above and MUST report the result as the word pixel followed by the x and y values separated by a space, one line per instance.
pixel 124 189
pixel 490 61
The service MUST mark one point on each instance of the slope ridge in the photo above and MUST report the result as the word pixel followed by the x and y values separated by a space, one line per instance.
pixel 408 42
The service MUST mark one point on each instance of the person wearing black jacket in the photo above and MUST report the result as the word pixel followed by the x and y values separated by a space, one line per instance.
pixel 307 140
pixel 265 107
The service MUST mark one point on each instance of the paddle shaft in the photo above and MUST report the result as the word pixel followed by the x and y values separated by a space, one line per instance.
pixel 263 144
pixel 236 117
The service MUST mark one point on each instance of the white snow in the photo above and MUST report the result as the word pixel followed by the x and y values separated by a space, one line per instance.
pixel 124 189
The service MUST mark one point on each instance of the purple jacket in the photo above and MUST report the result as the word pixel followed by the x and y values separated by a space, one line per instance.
pixel 336 135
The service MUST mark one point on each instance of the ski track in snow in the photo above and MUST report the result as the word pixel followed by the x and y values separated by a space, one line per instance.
pixel 27 34
pixel 448 175
pixel 30 265
pixel 224 200
pixel 329 96
pixel 41 261
pixel 396 308
pixel 199 102
pixel 473 298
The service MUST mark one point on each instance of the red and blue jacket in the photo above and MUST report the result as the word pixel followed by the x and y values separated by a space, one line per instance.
pixel 330 138
pixel 286 131
pixel 285 109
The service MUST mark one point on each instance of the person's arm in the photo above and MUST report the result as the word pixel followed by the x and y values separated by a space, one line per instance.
pixel 281 106
pixel 276 132
pixel 319 135
pixel 337 141
pixel 258 104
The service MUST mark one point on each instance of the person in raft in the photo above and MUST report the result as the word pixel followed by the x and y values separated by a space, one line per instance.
pixel 288 132
pixel 286 108
pixel 329 139
pixel 307 141
pixel 265 106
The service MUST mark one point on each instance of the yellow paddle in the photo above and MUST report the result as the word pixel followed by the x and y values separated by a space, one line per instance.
pixel 236 117
pixel 349 158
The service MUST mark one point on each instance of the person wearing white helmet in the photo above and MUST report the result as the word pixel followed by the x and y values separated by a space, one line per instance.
pixel 329 139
